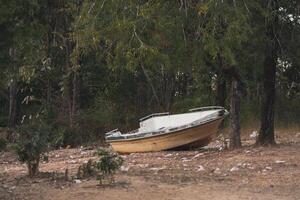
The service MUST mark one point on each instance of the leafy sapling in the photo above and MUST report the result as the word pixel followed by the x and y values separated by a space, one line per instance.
pixel 32 144
pixel 108 164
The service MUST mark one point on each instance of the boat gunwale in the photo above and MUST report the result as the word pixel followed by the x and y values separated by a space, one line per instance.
pixel 166 133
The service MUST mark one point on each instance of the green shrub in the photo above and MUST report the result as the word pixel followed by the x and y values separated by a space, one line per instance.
pixel 3 144
pixel 32 144
pixel 87 169
pixel 64 136
pixel 108 164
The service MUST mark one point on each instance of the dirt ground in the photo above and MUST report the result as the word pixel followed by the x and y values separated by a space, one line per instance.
pixel 210 173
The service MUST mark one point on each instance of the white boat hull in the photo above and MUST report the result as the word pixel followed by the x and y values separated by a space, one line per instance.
pixel 199 135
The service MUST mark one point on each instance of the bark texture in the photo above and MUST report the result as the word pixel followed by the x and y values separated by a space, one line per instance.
pixel 235 107
pixel 266 134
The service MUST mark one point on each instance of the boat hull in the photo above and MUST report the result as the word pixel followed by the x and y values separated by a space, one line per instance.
pixel 196 136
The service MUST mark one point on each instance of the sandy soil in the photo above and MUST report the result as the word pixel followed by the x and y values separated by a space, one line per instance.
pixel 211 173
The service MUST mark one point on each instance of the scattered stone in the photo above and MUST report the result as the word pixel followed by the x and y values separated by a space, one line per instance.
pixel 268 168
pixel 168 155
pixel 198 155
pixel 12 188
pixel 279 161
pixel 72 161
pixel 158 168
pixel 253 135
pixel 77 181
pixel 235 168
pixel 143 165
pixel 185 160
pixel 200 168
pixel 124 169
pixel 251 167
pixel 217 171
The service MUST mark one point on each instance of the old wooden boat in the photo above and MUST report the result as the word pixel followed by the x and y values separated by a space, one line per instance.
pixel 163 131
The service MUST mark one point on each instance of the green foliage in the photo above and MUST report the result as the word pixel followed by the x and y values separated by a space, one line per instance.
pixel 3 144
pixel 108 164
pixel 64 136
pixel 32 144
pixel 133 58
pixel 87 170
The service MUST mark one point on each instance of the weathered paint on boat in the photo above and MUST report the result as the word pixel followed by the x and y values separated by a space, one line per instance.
pixel 199 135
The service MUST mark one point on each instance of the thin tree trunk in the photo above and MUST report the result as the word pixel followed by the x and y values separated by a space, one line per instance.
pixel 221 84
pixel 266 134
pixel 48 98
pixel 67 92
pixel 12 103
pixel 235 104
pixel 75 96
pixel 221 91
pixel 12 91
pixel 152 87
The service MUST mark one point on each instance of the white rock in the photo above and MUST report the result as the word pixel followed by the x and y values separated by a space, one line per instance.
pixel 200 168
pixel 253 135
pixel 217 171
pixel 268 168
pixel 168 155
pixel 235 168
pixel 198 155
pixel 142 165
pixel 124 169
pixel 77 181
pixel 158 168
pixel 12 188
pixel 72 161
pixel 279 161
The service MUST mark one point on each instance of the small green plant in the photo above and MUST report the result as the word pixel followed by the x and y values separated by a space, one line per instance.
pixel 3 144
pixel 108 164
pixel 87 169
pixel 32 144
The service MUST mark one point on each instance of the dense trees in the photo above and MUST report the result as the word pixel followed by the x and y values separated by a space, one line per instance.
pixel 89 66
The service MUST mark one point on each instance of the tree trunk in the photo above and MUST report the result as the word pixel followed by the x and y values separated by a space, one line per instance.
pixel 12 103
pixel 266 134
pixel 221 84
pixel 152 87
pixel 235 104
pixel 75 96
pixel 48 93
pixel 33 168
pixel 221 91
pixel 12 90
